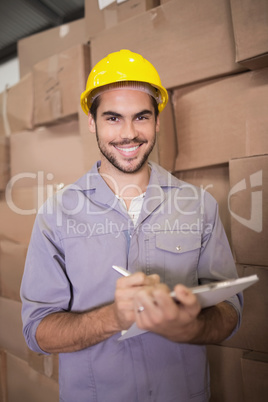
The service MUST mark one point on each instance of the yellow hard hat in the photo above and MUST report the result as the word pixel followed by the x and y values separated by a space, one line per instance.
pixel 119 67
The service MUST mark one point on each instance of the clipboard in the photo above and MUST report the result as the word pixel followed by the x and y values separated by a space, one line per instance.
pixel 208 295
pixel 215 292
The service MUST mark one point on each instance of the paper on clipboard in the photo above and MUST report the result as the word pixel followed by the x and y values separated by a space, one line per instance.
pixel 208 295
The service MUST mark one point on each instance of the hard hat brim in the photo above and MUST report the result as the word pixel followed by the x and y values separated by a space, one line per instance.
pixel 86 95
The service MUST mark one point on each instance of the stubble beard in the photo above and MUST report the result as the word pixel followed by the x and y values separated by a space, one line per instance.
pixel 108 155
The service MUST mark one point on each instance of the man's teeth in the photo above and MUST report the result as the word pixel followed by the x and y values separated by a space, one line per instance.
pixel 128 149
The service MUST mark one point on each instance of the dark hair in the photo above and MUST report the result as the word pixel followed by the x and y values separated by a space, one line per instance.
pixel 155 106
pixel 94 107
pixel 96 104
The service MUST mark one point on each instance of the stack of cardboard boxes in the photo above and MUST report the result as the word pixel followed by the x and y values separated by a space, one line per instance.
pixel 41 126
pixel 213 134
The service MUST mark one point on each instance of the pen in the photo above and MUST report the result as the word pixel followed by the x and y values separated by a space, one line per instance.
pixel 211 293
pixel 197 289
pixel 121 270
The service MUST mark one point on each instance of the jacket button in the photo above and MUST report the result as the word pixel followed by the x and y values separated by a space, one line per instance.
pixel 178 248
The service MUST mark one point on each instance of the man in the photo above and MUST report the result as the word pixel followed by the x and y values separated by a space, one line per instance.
pixel 130 212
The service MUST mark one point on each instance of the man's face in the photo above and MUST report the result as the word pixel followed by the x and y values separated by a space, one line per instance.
pixel 125 128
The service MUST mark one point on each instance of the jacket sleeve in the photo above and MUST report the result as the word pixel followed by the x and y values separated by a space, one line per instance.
pixel 45 287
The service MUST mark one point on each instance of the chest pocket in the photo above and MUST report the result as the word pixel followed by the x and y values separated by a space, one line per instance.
pixel 178 243
pixel 174 256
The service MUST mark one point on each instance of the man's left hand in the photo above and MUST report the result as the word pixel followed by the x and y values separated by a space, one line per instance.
pixel 156 311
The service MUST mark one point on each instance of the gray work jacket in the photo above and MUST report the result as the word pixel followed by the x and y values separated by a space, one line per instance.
pixel 77 237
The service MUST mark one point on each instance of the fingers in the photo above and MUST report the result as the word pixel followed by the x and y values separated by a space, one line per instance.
pixel 157 305
pixel 144 299
pixel 126 288
pixel 160 312
pixel 138 279
pixel 187 298
pixel 154 296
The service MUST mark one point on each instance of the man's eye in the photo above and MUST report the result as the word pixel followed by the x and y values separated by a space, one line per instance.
pixel 113 118
pixel 142 118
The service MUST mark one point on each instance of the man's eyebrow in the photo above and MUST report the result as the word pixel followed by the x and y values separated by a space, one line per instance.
pixel 145 111
pixel 139 114
pixel 111 113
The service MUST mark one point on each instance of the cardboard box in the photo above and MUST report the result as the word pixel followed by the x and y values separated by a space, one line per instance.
pixel 17 213
pixel 11 338
pixel 26 384
pixel 19 110
pixel 49 154
pixel 40 46
pixel 131 8
pixel 221 119
pixel 215 180
pixel 4 128
pixel 12 259
pixel 251 32
pixel 255 374
pixel 4 161
pixel 47 365
pixel 164 152
pixel 3 379
pixel 4 142
pixel 58 83
pixel 249 209
pixel 97 20
pixel 225 374
pixel 185 41
pixel 253 333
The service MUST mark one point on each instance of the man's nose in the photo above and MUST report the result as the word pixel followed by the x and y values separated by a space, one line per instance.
pixel 128 130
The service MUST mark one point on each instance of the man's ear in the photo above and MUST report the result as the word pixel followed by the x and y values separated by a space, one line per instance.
pixel 91 124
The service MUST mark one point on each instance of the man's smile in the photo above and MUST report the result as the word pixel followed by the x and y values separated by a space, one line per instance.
pixel 128 149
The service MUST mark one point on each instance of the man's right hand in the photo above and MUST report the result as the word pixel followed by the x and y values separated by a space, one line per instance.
pixel 126 288
pixel 69 331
